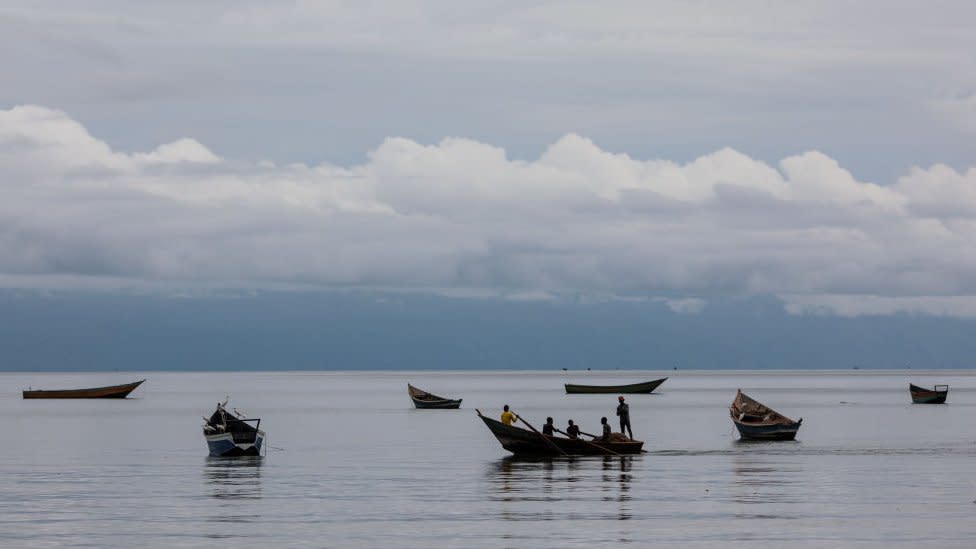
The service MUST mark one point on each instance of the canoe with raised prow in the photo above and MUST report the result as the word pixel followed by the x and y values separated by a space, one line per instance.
pixel 756 421
pixel 921 395
pixel 633 388
pixel 111 391
pixel 423 400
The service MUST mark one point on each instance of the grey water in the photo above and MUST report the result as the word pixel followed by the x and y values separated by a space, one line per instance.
pixel 350 463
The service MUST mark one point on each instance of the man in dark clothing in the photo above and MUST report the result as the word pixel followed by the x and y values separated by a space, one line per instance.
pixel 624 412
pixel 573 430
pixel 547 429
pixel 606 430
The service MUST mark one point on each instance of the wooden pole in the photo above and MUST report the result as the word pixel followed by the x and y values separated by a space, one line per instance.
pixel 549 442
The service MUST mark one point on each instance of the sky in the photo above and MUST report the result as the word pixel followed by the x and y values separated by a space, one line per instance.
pixel 820 154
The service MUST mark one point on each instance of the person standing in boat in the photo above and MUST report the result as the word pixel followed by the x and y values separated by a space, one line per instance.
pixel 548 428
pixel 606 430
pixel 508 418
pixel 623 410
pixel 572 431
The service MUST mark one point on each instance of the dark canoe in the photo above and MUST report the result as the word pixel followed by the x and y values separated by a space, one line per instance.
pixel 921 395
pixel 756 421
pixel 112 391
pixel 646 387
pixel 427 401
pixel 523 442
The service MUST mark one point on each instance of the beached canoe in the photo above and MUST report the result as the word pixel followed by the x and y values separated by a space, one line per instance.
pixel 427 401
pixel 756 421
pixel 645 387
pixel 232 435
pixel 921 395
pixel 523 442
pixel 112 391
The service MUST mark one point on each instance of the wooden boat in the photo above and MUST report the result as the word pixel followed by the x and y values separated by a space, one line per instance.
pixel 523 442
pixel 112 391
pixel 645 387
pixel 231 434
pixel 427 401
pixel 921 395
pixel 756 421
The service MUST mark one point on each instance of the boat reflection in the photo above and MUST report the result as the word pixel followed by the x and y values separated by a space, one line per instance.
pixel 764 484
pixel 233 482
pixel 527 487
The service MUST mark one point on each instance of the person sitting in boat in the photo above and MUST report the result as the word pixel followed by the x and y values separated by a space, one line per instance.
pixel 606 431
pixel 623 410
pixel 508 418
pixel 548 428
pixel 572 431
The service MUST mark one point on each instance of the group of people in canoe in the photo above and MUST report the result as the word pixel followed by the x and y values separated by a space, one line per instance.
pixel 573 430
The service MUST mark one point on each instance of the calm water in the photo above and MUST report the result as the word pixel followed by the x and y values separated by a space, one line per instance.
pixel 351 464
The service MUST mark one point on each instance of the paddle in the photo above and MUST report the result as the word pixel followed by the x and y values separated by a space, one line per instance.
pixel 608 450
pixel 549 442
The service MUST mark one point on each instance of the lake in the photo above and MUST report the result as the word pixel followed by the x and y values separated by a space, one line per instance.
pixel 350 463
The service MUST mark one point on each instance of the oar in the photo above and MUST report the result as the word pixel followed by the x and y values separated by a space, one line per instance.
pixel 608 450
pixel 542 436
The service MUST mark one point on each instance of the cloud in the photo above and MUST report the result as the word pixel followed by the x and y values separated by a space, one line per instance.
pixel 461 216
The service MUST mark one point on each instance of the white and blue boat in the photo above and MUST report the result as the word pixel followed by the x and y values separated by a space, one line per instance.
pixel 232 434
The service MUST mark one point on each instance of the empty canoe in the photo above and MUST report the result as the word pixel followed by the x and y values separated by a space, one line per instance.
pixel 756 421
pixel 921 395
pixel 645 387
pixel 112 391
pixel 428 401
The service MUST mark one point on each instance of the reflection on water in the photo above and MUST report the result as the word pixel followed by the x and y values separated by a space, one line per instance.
pixel 764 485
pixel 537 488
pixel 232 482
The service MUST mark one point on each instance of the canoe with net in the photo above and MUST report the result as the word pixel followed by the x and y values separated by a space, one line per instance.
pixel 756 421
pixel 921 395
pixel 523 442
pixel 633 388
pixel 111 391
pixel 429 401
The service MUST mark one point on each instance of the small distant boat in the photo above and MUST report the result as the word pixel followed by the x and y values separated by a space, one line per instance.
pixel 231 434
pixel 424 400
pixel 523 442
pixel 756 421
pixel 645 387
pixel 112 391
pixel 921 395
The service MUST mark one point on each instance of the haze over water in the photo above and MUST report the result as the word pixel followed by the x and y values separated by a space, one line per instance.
pixel 351 464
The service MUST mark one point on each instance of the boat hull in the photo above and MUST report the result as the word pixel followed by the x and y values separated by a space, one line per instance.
pixel 633 388
pixel 111 391
pixel 223 445
pixel 522 442
pixel 767 432
pixel 445 404
pixel 921 395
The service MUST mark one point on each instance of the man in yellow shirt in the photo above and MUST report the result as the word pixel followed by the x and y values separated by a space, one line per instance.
pixel 508 418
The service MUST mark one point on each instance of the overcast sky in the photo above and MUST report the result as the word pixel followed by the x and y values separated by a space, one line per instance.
pixel 821 152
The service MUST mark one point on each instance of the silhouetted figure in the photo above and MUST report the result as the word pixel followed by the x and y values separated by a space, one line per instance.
pixel 547 429
pixel 573 430
pixel 623 410
pixel 606 430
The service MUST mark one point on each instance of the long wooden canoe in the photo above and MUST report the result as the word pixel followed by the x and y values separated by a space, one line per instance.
pixel 427 401
pixel 112 391
pixel 523 442
pixel 645 387
pixel 921 395
pixel 756 421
